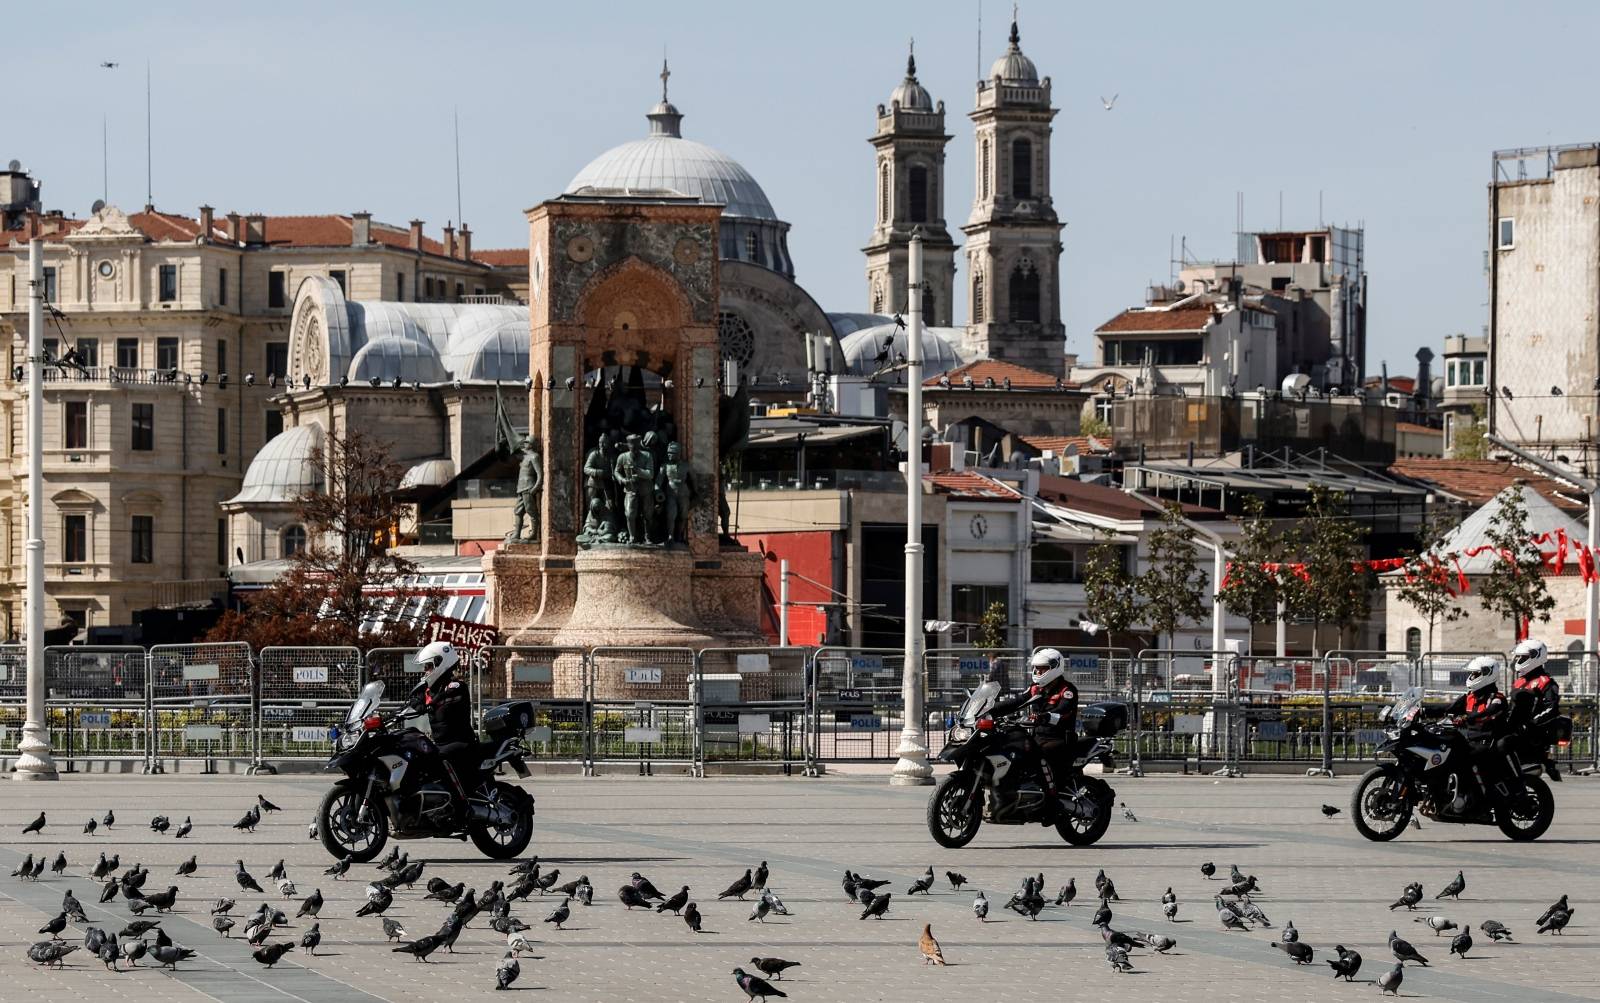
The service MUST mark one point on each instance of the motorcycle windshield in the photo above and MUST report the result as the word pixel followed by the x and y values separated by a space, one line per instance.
pixel 366 702
pixel 1405 704
pixel 979 702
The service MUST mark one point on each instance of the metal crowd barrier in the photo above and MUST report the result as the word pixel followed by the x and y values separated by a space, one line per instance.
pixel 644 704
pixel 303 696
pixel 857 706
pixel 754 707
pixel 556 680
pixel 202 703
pixel 98 700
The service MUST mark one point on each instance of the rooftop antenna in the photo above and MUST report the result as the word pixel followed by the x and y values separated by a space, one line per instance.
pixel 1320 221
pixel 149 187
pixel 456 113
pixel 105 150
pixel 1280 208
pixel 978 66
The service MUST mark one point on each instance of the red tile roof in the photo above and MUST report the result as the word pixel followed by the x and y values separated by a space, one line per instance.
pixel 969 486
pixel 1477 481
pixel 502 257
pixel 1021 377
pixel 1188 318
pixel 165 225
pixel 1113 503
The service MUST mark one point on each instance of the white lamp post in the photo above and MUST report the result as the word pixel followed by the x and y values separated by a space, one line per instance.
pixel 912 768
pixel 33 752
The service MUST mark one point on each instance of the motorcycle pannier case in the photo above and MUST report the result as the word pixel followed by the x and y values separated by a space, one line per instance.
pixel 508 720
pixel 1103 720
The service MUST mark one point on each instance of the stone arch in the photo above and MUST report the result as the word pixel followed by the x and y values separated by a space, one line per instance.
pixel 640 308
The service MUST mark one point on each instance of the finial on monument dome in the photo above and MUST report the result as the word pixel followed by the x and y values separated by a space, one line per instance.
pixel 911 61
pixel 664 118
pixel 1016 36
pixel 665 73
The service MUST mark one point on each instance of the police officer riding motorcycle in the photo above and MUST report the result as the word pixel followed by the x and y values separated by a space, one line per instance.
pixel 1052 726
pixel 1535 701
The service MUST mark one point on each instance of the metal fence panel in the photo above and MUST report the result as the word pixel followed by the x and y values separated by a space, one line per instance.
pixel 968 668
pixel 304 694
pixel 858 706
pixel 556 680
pixel 396 668
pixel 202 699
pixel 645 704
pixel 754 706
pixel 97 698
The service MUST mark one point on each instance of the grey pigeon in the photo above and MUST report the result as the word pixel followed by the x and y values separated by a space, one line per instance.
pixel 222 906
pixel 25 869
pixel 584 893
pixel 133 950
pixel 850 886
pixel 270 954
pixel 631 897
pixel 1408 898
pixel 277 871
pixel 1454 889
pixel 548 881
pixel 110 953
pixel 1403 951
pixel 37 825
pixel 980 907
pixel 89 827
pixel 1300 953
pixel 1068 892
pixel 1229 920
pixel 561 914
pixel 222 924
pixel 507 971
pixel 922 884
pixel 248 823
pixel 421 947
pixel 1253 913
pixel 169 955
pixel 759 879
pixel 311 938
pixel 265 805
pixel 1160 944
pixel 1389 982
pixel 1461 943
pixel 1290 935
pixel 246 882
pixel 1208 869
pixel 739 888
pixel 376 904
pixel 1560 905
pixel 1170 910
pixel 59 866
pixel 871 884
pixel 110 819
pixel 187 867
pixel 138 928
pixel 312 905
pixel 184 829
pixel 879 906
pixel 676 903
pixel 755 987
pixel 108 891
pixel 956 880
pixel 1102 915
pixel 774 967
pixel 1557 922
pixel 1438 924
pixel 1117 958
pixel 392 930
pixel 339 868
pixel 72 907
pixel 1495 930
pixel 55 926
pixel 691 917
pixel 50 953
pixel 163 901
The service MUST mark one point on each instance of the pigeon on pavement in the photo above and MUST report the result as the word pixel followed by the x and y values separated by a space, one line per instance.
pixel 1461 943
pixel 760 877
pixel 1117 958
pixel 760 909
pixel 187 867
pixel 1289 935
pixel 1300 953
pixel 1403 951
pixel 1496 930
pixel 1389 982
pixel 980 907
pixel 421 947
pixel 740 887
pixel 648 890
pixel 956 880
pixel 631 897
pixel 246 882
pixel 675 904
pixel 755 987
pixel 339 868
pixel 922 884
pixel 270 954
pixel 376 903
pixel 55 926
pixel 561 914
pixel 392 930
pixel 1408 898
pixel 507 970
pixel 89 827
pixel 691 917
pixel 312 905
pixel 184 829
pixel 1438 924
pixel 170 954
pixel 1557 922
pixel 1328 810
pixel 59 865
pixel 774 967
pixel 1208 869
pixel 1454 889
pixel 931 955
pixel 1560 905
pixel 879 906
pixel 37 825
pixel 1068 892
pixel 264 805
pixel 248 823
pixel 311 938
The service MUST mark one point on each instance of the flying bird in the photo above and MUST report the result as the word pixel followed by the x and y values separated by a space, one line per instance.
pixel 109 66
pixel 1109 104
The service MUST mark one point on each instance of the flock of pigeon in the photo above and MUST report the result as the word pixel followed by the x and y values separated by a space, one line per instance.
pixel 1236 904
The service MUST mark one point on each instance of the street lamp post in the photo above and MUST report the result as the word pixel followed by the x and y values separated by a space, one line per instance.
pixel 33 752
pixel 912 768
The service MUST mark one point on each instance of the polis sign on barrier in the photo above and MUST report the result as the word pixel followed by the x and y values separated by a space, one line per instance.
pixel 1083 663
pixel 472 640
pixel 643 675
pixel 310 674
pixel 94 719
pixel 308 736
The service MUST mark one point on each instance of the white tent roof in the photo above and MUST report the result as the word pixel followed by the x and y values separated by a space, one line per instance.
pixel 1543 518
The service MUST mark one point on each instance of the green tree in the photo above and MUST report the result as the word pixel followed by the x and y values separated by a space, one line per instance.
pixel 1110 596
pixel 1336 586
pixel 992 626
pixel 1468 442
pixel 1173 585
pixel 1429 579
pixel 1252 591
pixel 1093 424
pixel 1515 587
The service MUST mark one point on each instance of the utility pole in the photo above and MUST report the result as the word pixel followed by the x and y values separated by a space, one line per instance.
pixel 912 769
pixel 34 761
pixel 783 602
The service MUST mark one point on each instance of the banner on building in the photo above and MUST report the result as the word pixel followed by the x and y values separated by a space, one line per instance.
pixel 472 640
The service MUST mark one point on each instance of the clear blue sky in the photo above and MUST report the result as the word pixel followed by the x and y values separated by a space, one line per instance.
pixel 1390 110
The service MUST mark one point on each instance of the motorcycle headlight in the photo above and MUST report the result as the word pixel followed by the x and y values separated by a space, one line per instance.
pixel 960 733
pixel 349 739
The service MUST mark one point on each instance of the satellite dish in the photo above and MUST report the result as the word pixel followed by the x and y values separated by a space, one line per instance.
pixel 1296 383
pixel 15 165
pixel 97 206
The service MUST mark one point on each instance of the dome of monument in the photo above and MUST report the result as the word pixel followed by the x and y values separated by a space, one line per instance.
pixel 861 348
pixel 1014 67
pixel 911 95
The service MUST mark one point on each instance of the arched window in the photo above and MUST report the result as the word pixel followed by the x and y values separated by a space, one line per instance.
pixel 752 247
pixel 1024 298
pixel 917 183
pixel 291 541
pixel 1022 169
pixel 1414 642
pixel 927 305
pixel 883 193
pixel 977 298
pixel 983 161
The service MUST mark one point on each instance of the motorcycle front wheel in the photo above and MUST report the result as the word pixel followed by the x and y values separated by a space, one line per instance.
pixel 1528 818
pixel 341 830
pixel 1379 808
pixel 955 811
pixel 507 841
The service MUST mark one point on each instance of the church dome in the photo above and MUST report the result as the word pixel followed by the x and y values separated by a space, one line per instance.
pixel 664 160
pixel 1014 67
pixel 284 469
pixel 862 348
pixel 911 95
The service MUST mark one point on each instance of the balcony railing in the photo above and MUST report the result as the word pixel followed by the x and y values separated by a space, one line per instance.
pixel 112 374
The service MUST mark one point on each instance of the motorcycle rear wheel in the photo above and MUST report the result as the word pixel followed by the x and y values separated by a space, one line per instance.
pixel 505 843
pixel 1526 828
pixel 1379 827
pixel 342 834
pixel 1086 831
pixel 955 813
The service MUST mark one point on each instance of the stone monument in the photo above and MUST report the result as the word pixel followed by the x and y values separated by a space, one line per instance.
pixel 630 411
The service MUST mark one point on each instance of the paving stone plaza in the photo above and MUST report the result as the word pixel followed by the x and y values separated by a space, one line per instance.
pixel 1333 885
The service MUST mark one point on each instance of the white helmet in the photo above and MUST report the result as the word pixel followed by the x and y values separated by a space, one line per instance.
pixel 1482 672
pixel 1048 666
pixel 436 659
pixel 1529 656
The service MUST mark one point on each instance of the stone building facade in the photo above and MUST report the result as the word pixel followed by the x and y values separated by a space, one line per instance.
pixel 180 328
